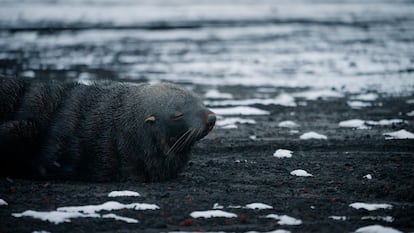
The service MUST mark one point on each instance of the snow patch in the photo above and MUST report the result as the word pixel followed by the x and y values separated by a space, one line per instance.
pixel 85 79
pixel 232 121
pixel 3 202
pixel 55 217
pixel 377 229
pixel 124 193
pixel 217 206
pixel 110 205
pixel 240 110
pixel 312 135
pixel 319 94
pixel 215 94
pixel 253 137
pixel 370 207
pixel 361 124
pixel 381 218
pixel 366 97
pixel 275 231
pixel 358 104
pixel 283 100
pixel 354 123
pixel 284 219
pixel 120 218
pixel 338 218
pixel 212 214
pixel 282 153
pixel 385 122
pixel 259 206
pixel 64 214
pixel 368 176
pixel 410 113
pixel 29 74
pixel 401 134
pixel 300 172
pixel 288 124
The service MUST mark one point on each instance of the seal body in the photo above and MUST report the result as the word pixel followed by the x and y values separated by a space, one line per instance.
pixel 100 132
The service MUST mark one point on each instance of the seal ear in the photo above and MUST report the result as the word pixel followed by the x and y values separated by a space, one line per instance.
pixel 150 119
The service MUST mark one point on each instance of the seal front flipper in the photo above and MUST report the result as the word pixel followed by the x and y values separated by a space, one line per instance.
pixel 18 140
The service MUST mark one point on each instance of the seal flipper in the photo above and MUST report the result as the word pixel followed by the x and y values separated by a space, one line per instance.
pixel 19 140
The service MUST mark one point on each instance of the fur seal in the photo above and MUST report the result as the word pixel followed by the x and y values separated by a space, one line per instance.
pixel 101 132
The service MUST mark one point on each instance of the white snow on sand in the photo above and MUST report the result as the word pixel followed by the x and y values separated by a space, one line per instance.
pixel 282 153
pixel 361 124
pixel 370 207
pixel 288 124
pixel 29 74
pixel 217 206
pixel 410 113
pixel 368 176
pixel 284 219
pixel 64 214
pixel 275 231
pixel 366 97
pixel 381 218
pixel 215 94
pixel 319 94
pixel 258 206
pixel 231 122
pixel 55 217
pixel 358 104
pixel 300 172
pixel 240 110
pixel 377 229
pixel 124 193
pixel 110 205
pixel 401 134
pixel 312 135
pixel 3 202
pixel 338 218
pixel 212 214
pixel 283 100
pixel 120 218
pixel 354 123
pixel 386 122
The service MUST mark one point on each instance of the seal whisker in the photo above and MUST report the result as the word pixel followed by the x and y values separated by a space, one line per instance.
pixel 191 138
pixel 178 142
pixel 187 140
pixel 184 142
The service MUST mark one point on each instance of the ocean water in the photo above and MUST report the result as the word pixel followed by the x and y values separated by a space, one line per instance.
pixel 348 46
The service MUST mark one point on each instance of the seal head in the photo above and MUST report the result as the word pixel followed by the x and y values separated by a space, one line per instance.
pixel 174 119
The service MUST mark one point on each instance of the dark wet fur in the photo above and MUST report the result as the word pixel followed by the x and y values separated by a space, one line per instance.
pixel 60 130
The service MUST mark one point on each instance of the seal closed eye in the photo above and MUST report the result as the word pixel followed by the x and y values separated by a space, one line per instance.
pixel 101 132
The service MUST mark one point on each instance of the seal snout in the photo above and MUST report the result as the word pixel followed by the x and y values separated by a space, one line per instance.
pixel 210 120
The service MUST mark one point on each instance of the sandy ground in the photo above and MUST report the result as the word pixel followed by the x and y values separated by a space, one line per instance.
pixel 230 169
